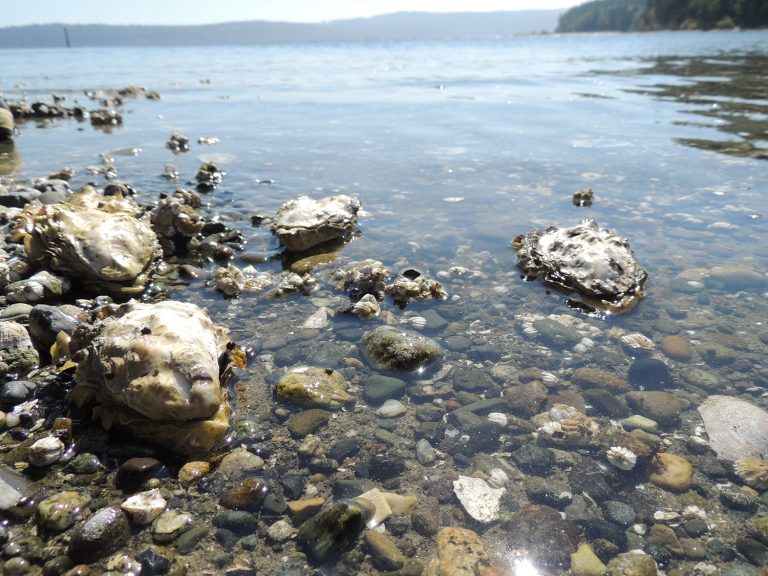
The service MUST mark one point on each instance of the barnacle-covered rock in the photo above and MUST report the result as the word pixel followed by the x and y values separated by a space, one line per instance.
pixel 303 222
pixel 313 387
pixel 360 278
pixel 153 369
pixel 16 349
pixel 231 281
pixel 595 263
pixel 37 288
pixel 104 241
pixel 567 427
pixel 413 285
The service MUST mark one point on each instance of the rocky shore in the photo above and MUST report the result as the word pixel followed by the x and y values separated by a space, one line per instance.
pixel 454 421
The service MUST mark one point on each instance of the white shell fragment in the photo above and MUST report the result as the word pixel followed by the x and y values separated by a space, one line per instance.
pixel 479 499
pixel 45 451
pixel 595 263
pixel 144 507
pixel 622 458
pixel 736 428
pixel 367 307
pixel 303 222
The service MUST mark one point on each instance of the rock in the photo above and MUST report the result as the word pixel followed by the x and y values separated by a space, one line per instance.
pixel 632 564
pixel 737 499
pixel 460 553
pixel 238 462
pixel 384 553
pixel 589 378
pixel 187 541
pixel 555 334
pixel 193 471
pixel 664 536
pixel 483 434
pixel 547 491
pixel 479 500
pixel 280 531
pixel 16 348
pixel 723 418
pixel 302 223
pixel 170 524
pixel 378 388
pixel 60 511
pixel 238 521
pixel 663 407
pixel 136 471
pixel 307 421
pixel 249 494
pixel 391 348
pixel 333 530
pixel 533 459
pixel 584 562
pixel 103 533
pixel 45 451
pixel 317 387
pixel 392 409
pixel 650 374
pixel 45 323
pixel 753 551
pixel 526 399
pixel 670 471
pixel 586 476
pixel 542 532
pixel 592 262
pixel 677 348
pixel 618 513
pixel 303 509
pixel 144 507
pixel 153 371
pixel 41 286
pixel 735 278
pixel 15 392
pixel 425 454
pixel 641 423
pixel 606 402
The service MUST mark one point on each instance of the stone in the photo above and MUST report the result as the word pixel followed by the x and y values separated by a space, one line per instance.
pixel 144 507
pixel 392 409
pixel 60 511
pixel 302 223
pixel 479 500
pixel 193 471
pixel 425 454
pixel 533 458
pixel 239 461
pixel 737 499
pixel 187 541
pixel 670 471
pixel 632 564
pixel 280 531
pixel 307 421
pixel 549 491
pixel 640 422
pixel 136 471
pixel 606 402
pixel 238 521
pixel 103 533
pixel 753 551
pixel 542 532
pixel 391 348
pixel 619 513
pixel 170 525
pixel 378 388
pixel 662 407
pixel 460 552
pixel 385 554
pixel 587 477
pixel 315 387
pixel 300 510
pixel 15 392
pixel 16 348
pixel 596 378
pixel 677 348
pixel 650 374
pixel 45 323
pixel 333 530
pixel 584 562
pixel 555 334
pixel 526 399
pixel 734 279
pixel 663 535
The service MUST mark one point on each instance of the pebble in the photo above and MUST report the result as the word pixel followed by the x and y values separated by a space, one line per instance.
pixel 584 562
pixel 16 392
pixel 392 409
pixel 425 454
pixel 189 539
pixel 170 524
pixel 385 555
pixel 307 421
pixel 153 563
pixel 45 451
pixel 280 531
pixel 640 422
pixel 60 511
pixel 677 347
pixel 618 512
pixel 300 510
pixel 533 458
pixel 632 564
pixel 378 388
pixel 544 533
pixel 596 378
pixel 649 374
pixel 144 507
pixel 460 552
pixel 249 494
pixel 663 535
pixel 240 522
pixel 737 499
pixel 239 461
pixel 136 471
pixel 192 471
pixel 104 532
pixel 660 406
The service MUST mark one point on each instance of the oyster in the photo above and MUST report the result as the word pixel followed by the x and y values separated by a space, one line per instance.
pixel 413 285
pixel 593 262
pixel 302 222
pixel 176 221
pixel 104 241
pixel 153 369
pixel 365 277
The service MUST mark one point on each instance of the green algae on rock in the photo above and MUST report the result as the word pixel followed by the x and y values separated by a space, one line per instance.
pixel 310 386
pixel 391 348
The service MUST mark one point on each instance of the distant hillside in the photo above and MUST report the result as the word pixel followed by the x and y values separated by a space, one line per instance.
pixel 603 15
pixel 398 26
pixel 623 15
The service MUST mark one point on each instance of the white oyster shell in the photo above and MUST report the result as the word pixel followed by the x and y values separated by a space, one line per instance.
pixel 594 262
pixel 736 428
pixel 303 222
pixel 144 507
pixel 45 451
pixel 366 307
pixel 154 368
pixel 622 458
pixel 479 499
pixel 104 241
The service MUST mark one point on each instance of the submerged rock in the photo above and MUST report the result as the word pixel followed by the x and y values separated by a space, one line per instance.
pixel 153 369
pixel 391 348
pixel 302 223
pixel 103 241
pixel 333 530
pixel 479 499
pixel 736 428
pixel 595 263
pixel 311 386
pixel 16 348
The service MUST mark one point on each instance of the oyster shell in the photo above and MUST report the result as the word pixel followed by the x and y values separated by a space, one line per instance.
pixel 595 263
pixel 104 241
pixel 413 285
pixel 154 369
pixel 364 277
pixel 176 221
pixel 303 222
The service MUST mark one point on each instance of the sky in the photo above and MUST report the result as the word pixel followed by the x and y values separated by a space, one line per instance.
pixel 213 11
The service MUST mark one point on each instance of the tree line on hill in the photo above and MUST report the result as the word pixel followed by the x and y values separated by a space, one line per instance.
pixel 628 15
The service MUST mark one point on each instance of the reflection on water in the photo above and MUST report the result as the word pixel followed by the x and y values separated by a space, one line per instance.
pixel 730 91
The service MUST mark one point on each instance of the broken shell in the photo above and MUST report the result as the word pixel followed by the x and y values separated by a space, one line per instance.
pixel 622 458
pixel 497 478
pixel 45 451
pixel 499 418
pixel 366 307
pixel 144 507
pixel 636 343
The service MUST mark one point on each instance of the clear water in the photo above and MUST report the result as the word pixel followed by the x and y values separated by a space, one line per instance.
pixel 455 149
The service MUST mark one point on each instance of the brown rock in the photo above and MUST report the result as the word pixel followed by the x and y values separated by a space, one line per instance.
pixel 460 552
pixel 246 495
pixel 191 471
pixel 632 564
pixel 303 509
pixel 569 398
pixel 596 378
pixel 670 471
pixel 677 347
pixel 385 554
pixel 527 398
pixel 663 407
pixel 547 538
pixel 666 537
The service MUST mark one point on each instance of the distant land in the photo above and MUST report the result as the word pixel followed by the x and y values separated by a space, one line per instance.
pixel 642 15
pixel 397 26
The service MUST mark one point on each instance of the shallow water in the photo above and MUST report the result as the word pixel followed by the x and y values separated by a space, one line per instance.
pixel 455 149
